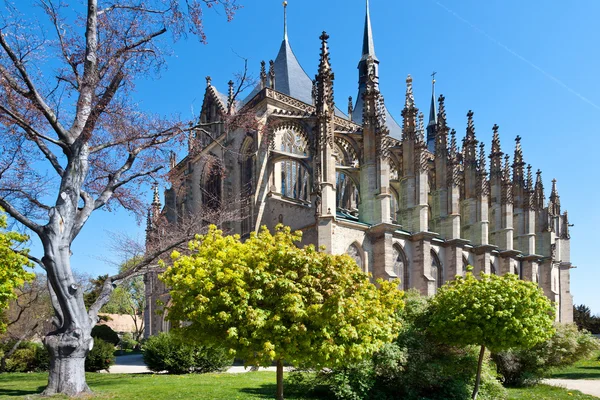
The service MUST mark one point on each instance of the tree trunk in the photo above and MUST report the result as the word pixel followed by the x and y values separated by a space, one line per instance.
pixel 67 363
pixel 478 377
pixel 70 343
pixel 280 379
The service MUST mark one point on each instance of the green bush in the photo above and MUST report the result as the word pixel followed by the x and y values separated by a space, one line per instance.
pixel 101 357
pixel 127 342
pixel 519 367
pixel 105 333
pixel 167 352
pixel 414 367
pixel 29 357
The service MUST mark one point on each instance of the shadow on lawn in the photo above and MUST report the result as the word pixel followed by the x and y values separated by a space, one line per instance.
pixel 594 373
pixel 267 391
pixel 19 392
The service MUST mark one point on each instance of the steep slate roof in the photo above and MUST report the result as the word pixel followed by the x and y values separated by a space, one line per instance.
pixel 290 78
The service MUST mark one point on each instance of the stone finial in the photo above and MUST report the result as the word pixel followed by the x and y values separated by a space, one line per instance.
pixel 410 98
pixel 230 99
pixel 539 196
pixel 263 75
pixel 496 154
pixel 350 107
pixel 272 74
pixel 172 159
pixel 518 163
pixel 554 203
pixel 453 147
pixel 208 81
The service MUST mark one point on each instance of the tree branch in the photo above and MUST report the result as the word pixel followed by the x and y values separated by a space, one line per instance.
pixel 13 212
pixel 35 96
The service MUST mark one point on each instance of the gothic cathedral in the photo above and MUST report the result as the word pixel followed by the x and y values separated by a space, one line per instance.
pixel 403 200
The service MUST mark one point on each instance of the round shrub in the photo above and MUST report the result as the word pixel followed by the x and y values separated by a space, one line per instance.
pixel 105 333
pixel 101 357
pixel 167 352
pixel 519 367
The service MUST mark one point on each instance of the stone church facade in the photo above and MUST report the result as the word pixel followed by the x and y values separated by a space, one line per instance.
pixel 401 198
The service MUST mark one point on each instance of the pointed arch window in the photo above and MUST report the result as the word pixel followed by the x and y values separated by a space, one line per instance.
pixel 294 176
pixel 401 267
pixel 347 196
pixel 394 205
pixel 437 271
pixel 493 267
pixel 212 189
pixel 354 252
pixel 247 184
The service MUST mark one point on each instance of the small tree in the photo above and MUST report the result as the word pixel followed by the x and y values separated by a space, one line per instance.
pixel 268 300
pixel 493 312
pixel 12 263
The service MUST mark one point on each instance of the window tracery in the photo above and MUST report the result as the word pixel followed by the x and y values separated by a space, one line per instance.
pixel 294 176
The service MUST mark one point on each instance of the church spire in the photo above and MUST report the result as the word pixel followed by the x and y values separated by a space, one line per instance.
pixel 324 80
pixel 368 67
pixel 368 49
pixel 285 36
pixel 431 126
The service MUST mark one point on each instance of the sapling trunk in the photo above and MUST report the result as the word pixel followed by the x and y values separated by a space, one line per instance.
pixel 478 377
pixel 280 379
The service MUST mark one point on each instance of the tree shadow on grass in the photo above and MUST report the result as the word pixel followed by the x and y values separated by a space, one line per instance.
pixel 268 391
pixel 594 373
pixel 20 392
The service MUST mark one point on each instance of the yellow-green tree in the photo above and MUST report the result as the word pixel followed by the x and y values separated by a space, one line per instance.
pixel 268 300
pixel 12 263
pixel 493 312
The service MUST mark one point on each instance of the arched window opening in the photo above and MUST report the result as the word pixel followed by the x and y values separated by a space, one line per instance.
pixel 354 252
pixel 465 264
pixel 394 205
pixel 437 271
pixel 401 267
pixel 247 184
pixel 294 176
pixel 212 190
pixel 493 268
pixel 347 195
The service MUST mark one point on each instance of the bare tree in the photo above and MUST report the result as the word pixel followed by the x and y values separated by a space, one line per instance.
pixel 65 101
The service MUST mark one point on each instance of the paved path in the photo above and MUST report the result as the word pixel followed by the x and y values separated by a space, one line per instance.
pixel 134 364
pixel 587 386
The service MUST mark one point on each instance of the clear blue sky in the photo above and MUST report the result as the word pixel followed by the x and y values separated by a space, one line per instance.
pixel 529 66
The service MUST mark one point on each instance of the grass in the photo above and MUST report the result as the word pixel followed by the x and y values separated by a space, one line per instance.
pixel 251 385
pixel 587 369
pixel 546 392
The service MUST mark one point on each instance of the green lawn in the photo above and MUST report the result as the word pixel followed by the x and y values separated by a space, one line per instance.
pixel 588 369
pixel 252 385
pixel 546 392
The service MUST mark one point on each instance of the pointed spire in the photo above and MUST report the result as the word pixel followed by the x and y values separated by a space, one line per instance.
pixel 470 143
pixel 432 114
pixel 324 80
pixel 453 147
pixel 285 36
pixel 539 197
pixel 272 74
pixel 263 75
pixel 230 97
pixel 410 98
pixel 518 164
pixel 507 189
pixel 421 129
pixel 432 125
pixel 482 181
pixel 350 107
pixel 441 130
pixel 409 113
pixel 156 197
pixel 454 176
pixel 529 182
pixel 496 154
pixel 368 49
pixel 554 203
